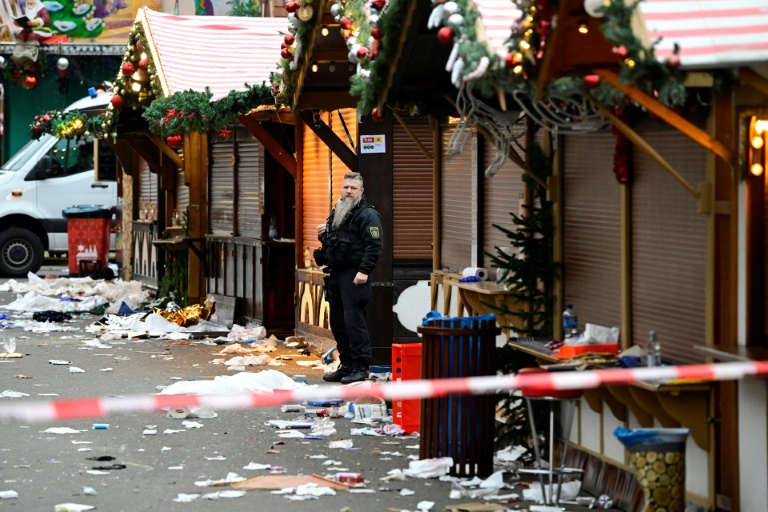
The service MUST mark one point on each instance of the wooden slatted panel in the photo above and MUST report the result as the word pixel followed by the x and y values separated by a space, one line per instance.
pixel 338 169
pixel 592 230
pixel 147 184
pixel 316 191
pixel 668 247
pixel 503 195
pixel 412 196
pixel 250 179
pixel 456 204
pixel 221 187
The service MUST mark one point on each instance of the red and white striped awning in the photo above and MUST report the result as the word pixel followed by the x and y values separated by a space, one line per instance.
pixel 497 18
pixel 710 33
pixel 220 52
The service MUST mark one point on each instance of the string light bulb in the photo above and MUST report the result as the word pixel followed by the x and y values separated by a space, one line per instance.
pixel 324 31
pixel 757 142
pixel 583 28
pixel 332 67
pixel 314 67
pixel 756 169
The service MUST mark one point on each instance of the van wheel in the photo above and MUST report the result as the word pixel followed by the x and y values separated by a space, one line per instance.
pixel 21 252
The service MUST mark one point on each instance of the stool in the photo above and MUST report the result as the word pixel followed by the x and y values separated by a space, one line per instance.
pixel 567 398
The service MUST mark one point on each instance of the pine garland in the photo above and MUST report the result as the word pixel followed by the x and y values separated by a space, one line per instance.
pixel 369 90
pixel 285 79
pixel 193 111
pixel 70 125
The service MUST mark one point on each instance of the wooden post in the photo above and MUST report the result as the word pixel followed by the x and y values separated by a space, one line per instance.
pixel 196 159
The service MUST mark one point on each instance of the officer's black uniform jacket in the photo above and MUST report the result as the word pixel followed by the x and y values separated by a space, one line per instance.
pixel 356 243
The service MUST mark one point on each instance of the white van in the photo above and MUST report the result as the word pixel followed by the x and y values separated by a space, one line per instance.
pixel 37 183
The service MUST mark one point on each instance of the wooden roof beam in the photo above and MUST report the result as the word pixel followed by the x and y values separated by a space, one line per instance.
pixel 671 118
pixel 334 143
pixel 272 145
pixel 166 149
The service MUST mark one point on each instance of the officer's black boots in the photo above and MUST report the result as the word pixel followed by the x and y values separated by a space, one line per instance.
pixel 358 373
pixel 339 374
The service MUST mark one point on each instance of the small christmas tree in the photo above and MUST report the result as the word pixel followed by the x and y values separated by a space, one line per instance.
pixel 529 274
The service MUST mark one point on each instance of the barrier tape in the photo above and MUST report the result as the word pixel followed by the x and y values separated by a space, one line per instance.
pixel 31 411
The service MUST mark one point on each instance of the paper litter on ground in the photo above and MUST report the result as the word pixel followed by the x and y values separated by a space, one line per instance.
pixel 244 382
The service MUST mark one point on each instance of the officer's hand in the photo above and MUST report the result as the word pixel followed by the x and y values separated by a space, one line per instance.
pixel 361 278
pixel 320 229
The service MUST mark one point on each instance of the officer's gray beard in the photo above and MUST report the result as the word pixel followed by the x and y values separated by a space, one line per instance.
pixel 343 207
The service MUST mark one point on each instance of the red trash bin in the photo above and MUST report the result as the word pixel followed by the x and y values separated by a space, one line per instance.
pixel 88 230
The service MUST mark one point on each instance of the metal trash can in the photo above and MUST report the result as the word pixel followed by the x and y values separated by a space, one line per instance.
pixel 658 455
pixel 88 231
pixel 460 427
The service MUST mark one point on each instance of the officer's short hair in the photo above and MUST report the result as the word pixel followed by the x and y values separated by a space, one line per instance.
pixel 354 176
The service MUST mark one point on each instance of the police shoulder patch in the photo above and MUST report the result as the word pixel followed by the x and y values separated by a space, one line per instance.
pixel 375 232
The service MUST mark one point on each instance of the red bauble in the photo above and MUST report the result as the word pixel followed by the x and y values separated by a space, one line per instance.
pixel 138 45
pixel 621 51
pixel 128 68
pixel 512 60
pixel 292 6
pixel 46 118
pixel 283 46
pixel 61 72
pixel 379 4
pixel 376 33
pixel 30 81
pixel 591 81
pixel 143 63
pixel 117 101
pixel 345 23
pixel 375 115
pixel 174 141
pixel 445 35
pixel 286 53
pixel 673 62
pixel 362 52
pixel 289 39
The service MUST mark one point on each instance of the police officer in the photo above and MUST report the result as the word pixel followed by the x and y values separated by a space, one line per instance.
pixel 351 244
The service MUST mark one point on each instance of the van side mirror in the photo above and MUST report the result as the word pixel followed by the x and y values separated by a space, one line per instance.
pixel 43 167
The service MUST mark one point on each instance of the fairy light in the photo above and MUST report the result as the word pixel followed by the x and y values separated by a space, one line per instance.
pixel 756 169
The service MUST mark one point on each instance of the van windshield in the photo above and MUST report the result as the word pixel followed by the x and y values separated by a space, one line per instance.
pixel 22 156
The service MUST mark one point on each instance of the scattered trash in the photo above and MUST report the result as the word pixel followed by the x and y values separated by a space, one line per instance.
pixel 75 369
pixel 429 468
pixel 100 426
pixel 192 424
pixel 185 498
pixel 60 430
pixel 59 362
pixel 229 479
pixel 6 495
pixel 345 444
pixel 425 505
pixel 282 482
pixel 12 394
pixel 407 492
pixel 72 507
pixel 51 316
pixel 110 467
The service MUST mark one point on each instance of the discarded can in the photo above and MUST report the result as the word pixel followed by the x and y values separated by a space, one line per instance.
pixel 292 408
pixel 349 478
pixel 331 412
pixel 100 426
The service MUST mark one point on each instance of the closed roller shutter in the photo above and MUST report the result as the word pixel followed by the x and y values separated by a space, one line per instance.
pixel 250 179
pixel 668 247
pixel 147 185
pixel 503 195
pixel 182 192
pixel 456 200
pixel 338 168
pixel 316 185
pixel 412 195
pixel 591 230
pixel 221 187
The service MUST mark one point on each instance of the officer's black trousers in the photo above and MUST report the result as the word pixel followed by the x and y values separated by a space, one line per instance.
pixel 348 303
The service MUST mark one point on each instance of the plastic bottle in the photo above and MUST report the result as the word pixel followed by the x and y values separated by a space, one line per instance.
pixel 307 258
pixel 570 321
pixel 654 349
pixel 273 228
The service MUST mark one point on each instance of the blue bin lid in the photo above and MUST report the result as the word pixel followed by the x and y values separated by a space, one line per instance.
pixel 87 211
